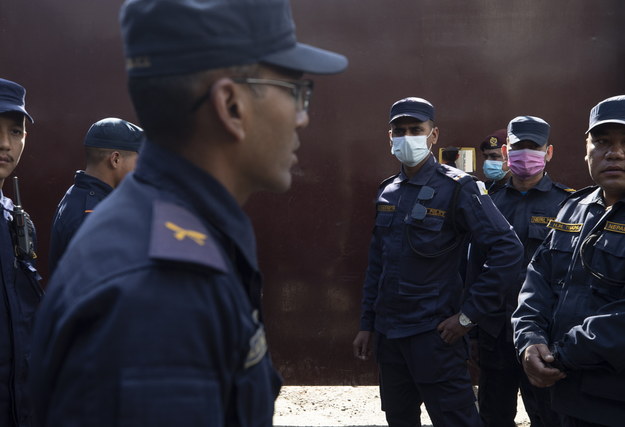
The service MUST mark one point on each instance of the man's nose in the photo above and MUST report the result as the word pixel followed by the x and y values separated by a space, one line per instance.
pixel 302 119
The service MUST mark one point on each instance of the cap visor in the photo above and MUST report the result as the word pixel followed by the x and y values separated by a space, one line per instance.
pixel 602 122
pixel 308 59
pixel 16 110
pixel 421 118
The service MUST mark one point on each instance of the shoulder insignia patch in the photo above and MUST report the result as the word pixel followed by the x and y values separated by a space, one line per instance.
pixel 615 227
pixel 178 235
pixel 541 220
pixel 258 348
pixel 562 226
pixel 181 233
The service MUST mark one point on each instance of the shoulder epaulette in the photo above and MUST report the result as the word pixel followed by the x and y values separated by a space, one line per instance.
pixel 455 174
pixel 179 236
pixel 564 187
pixel 387 180
pixel 583 191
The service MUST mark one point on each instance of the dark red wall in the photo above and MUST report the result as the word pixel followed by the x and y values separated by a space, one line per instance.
pixel 479 62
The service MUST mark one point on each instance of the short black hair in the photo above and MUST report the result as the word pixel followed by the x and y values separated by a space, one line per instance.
pixel 95 155
pixel 165 105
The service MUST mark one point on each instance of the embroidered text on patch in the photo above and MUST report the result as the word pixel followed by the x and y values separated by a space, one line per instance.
pixel 181 233
pixel 541 219
pixel 562 226
pixel 436 212
pixel 386 208
pixel 615 226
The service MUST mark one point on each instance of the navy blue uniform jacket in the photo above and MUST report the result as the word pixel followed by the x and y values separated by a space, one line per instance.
pixel 152 317
pixel 412 282
pixel 563 304
pixel 529 215
pixel 21 294
pixel 76 204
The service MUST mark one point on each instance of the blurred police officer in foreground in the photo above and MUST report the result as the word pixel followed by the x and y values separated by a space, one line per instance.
pixel 21 291
pixel 111 149
pixel 568 327
pixel 413 291
pixel 153 314
pixel 495 169
pixel 529 200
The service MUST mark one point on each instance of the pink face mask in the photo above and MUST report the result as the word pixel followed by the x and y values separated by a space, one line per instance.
pixel 526 163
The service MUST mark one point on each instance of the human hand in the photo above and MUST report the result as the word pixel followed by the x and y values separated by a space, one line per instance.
pixel 361 345
pixel 451 330
pixel 535 360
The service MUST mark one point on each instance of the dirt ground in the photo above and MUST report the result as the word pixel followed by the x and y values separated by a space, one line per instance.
pixel 341 406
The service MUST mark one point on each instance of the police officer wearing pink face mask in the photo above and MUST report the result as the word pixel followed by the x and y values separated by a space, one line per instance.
pixel 529 200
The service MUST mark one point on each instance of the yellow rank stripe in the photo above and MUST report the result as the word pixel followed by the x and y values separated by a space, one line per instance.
pixel 614 226
pixel 562 226
pixel 386 208
pixel 541 219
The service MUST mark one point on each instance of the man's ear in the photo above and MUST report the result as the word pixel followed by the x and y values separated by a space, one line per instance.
pixel 504 152
pixel 435 132
pixel 229 102
pixel 549 154
pixel 114 159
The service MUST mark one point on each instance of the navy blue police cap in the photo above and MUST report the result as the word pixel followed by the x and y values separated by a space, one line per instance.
pixel 417 108
pixel 611 110
pixel 13 98
pixel 496 139
pixel 528 128
pixel 115 134
pixel 169 37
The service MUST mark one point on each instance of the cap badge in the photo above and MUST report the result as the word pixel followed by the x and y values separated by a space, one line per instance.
pixel 493 141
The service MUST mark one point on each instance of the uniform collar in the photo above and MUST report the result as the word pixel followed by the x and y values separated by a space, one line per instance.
pixel 423 175
pixel 594 197
pixel 83 180
pixel 543 185
pixel 199 192
pixel 7 205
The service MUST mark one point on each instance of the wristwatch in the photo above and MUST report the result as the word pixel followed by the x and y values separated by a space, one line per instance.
pixel 465 321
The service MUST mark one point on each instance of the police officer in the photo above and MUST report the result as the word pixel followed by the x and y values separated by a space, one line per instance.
pixel 413 291
pixel 21 291
pixel 529 200
pixel 153 316
pixel 568 327
pixel 449 156
pixel 495 169
pixel 111 149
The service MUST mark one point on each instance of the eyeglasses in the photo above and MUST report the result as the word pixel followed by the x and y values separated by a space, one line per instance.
pixel 419 211
pixel 301 90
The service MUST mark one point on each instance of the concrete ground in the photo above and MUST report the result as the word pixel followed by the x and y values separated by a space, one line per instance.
pixel 335 406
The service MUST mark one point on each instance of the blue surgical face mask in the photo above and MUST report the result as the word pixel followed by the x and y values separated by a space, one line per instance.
pixel 493 170
pixel 411 150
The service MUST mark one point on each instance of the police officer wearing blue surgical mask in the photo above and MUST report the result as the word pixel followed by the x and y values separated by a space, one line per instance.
pixel 413 298
pixel 495 169
pixel 570 321
pixel 528 200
